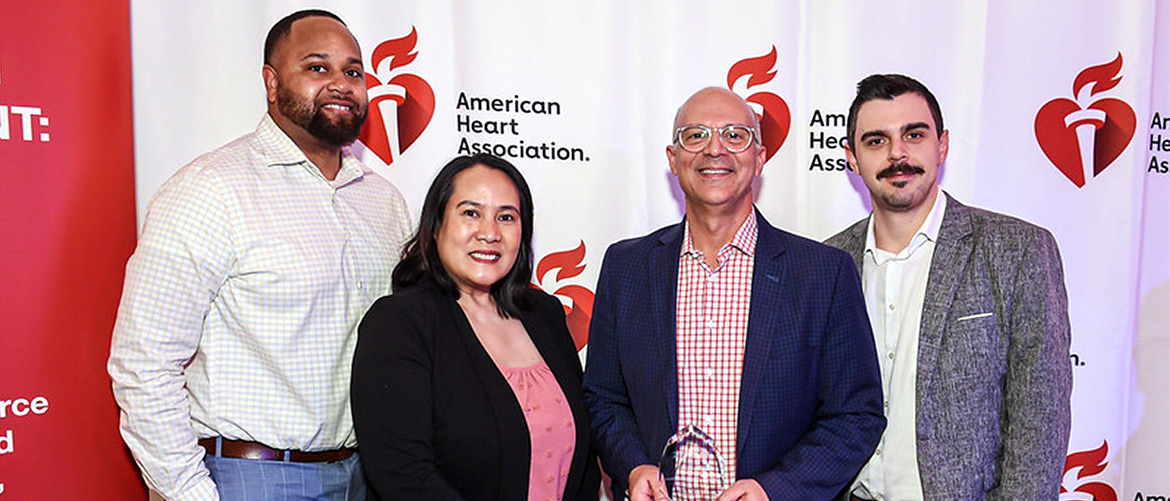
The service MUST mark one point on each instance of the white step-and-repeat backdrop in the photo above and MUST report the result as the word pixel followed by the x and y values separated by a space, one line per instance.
pixel 581 97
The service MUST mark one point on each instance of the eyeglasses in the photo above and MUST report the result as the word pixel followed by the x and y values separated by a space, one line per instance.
pixel 694 138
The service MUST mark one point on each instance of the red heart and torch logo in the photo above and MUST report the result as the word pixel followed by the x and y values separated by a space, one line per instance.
pixel 401 104
pixel 1081 470
pixel 1084 136
pixel 775 118
pixel 568 264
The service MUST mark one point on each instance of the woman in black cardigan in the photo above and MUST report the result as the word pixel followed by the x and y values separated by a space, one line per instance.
pixel 466 371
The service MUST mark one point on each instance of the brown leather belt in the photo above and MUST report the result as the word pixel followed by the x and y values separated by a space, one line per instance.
pixel 252 450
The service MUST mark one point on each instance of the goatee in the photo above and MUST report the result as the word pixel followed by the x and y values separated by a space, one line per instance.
pixel 312 118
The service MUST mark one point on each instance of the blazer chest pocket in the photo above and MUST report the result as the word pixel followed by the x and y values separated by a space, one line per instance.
pixel 974 316
pixel 977 330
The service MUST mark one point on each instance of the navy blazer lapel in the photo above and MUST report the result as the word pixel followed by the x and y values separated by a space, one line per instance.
pixel 763 317
pixel 951 255
pixel 663 275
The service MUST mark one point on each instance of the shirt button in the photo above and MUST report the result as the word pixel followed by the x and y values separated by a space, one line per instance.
pixel 709 420
pixel 878 452
pixel 361 285
pixel 709 372
pixel 891 355
pixel 891 307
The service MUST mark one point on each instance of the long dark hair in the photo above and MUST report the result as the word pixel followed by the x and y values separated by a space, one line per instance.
pixel 420 258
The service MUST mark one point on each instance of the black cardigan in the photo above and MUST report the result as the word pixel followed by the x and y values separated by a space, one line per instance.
pixel 435 419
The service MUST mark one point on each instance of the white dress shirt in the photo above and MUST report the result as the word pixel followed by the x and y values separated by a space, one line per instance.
pixel 241 305
pixel 895 289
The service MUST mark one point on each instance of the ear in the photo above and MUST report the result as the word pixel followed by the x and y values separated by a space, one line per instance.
pixel 270 82
pixel 670 158
pixel 944 146
pixel 850 157
pixel 761 157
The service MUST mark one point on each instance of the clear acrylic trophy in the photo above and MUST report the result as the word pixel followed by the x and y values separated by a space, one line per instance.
pixel 692 467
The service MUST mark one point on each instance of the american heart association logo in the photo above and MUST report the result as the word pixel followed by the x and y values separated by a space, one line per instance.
pixel 401 104
pixel 775 118
pixel 1081 471
pixel 568 265
pixel 1085 136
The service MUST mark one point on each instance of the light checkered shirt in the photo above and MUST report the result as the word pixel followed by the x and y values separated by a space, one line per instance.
pixel 242 302
pixel 712 316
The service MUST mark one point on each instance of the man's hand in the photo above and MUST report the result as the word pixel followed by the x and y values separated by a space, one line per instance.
pixel 646 484
pixel 742 490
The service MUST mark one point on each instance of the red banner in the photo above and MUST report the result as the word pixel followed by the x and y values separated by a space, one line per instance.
pixel 66 229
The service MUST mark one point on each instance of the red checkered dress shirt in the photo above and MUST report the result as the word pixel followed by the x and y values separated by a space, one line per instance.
pixel 712 315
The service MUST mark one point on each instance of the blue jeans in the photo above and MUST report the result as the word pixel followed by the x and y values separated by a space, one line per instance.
pixel 260 480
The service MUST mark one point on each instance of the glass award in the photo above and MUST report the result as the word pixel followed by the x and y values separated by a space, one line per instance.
pixel 692 467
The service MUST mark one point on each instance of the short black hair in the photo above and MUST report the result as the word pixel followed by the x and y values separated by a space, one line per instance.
pixel 420 258
pixel 282 28
pixel 890 86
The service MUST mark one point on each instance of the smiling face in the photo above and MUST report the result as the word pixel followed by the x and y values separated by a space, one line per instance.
pixel 316 84
pixel 715 178
pixel 897 152
pixel 479 238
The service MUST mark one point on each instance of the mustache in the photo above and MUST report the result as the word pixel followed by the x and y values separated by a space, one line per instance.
pixel 320 103
pixel 900 168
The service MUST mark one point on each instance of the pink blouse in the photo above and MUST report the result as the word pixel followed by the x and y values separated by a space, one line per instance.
pixel 550 426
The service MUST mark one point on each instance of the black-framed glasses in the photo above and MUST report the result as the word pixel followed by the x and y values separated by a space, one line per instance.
pixel 694 138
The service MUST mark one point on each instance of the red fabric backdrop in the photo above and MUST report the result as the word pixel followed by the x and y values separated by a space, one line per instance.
pixel 67 225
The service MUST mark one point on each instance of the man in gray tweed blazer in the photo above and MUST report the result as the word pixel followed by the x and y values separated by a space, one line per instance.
pixel 969 315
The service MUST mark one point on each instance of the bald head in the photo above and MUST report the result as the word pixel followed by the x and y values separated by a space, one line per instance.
pixel 709 97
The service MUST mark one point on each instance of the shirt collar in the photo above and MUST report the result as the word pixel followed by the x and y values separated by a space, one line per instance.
pixel 744 240
pixel 927 232
pixel 281 150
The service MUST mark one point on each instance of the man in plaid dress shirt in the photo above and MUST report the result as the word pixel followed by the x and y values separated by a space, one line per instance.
pixel 231 354
pixel 757 337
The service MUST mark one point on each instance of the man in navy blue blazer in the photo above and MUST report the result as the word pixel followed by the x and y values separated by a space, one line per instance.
pixel 805 408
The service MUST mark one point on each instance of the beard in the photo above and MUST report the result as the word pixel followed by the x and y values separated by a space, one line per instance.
pixel 309 116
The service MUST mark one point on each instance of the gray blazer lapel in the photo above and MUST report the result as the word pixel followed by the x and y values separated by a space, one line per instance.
pixel 663 274
pixel 852 240
pixel 763 317
pixel 951 255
